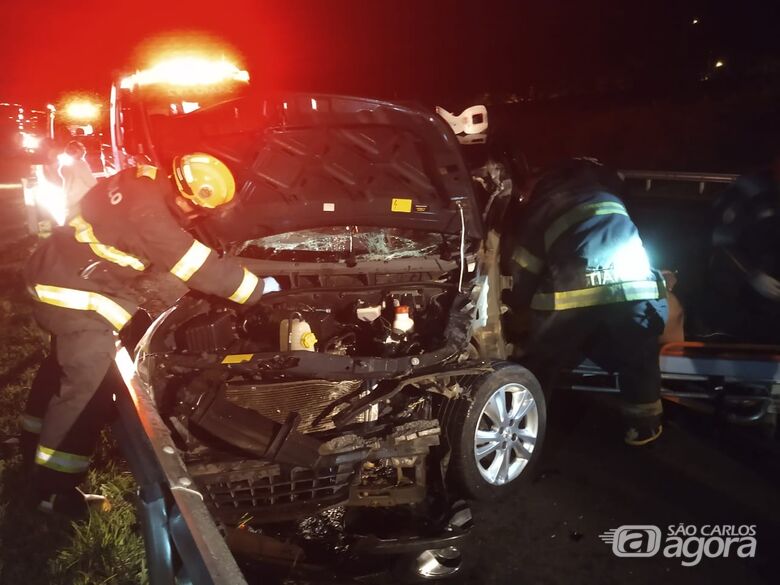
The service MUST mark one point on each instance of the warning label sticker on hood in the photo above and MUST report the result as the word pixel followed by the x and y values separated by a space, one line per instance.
pixel 401 205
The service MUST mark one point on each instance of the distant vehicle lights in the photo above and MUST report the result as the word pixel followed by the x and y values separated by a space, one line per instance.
pixel 30 142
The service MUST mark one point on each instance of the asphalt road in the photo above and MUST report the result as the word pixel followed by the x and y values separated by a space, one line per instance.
pixel 589 482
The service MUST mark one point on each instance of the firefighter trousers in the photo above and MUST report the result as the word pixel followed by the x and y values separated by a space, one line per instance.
pixel 68 403
pixel 621 338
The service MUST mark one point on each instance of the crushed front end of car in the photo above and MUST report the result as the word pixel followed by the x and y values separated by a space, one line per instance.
pixel 344 418
pixel 335 452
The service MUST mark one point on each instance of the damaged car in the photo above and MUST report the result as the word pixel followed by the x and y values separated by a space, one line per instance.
pixel 350 416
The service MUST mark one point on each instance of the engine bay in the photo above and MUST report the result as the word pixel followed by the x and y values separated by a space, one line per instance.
pixel 380 321
pixel 331 394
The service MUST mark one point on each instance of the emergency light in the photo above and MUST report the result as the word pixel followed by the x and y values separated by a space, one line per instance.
pixel 82 110
pixel 187 72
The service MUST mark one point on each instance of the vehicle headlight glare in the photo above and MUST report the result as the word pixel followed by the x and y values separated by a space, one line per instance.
pixel 30 141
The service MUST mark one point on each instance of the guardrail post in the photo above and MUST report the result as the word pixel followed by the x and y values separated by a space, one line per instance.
pixel 154 520
pixel 151 508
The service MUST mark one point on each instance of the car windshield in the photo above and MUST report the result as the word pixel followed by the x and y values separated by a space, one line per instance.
pixel 335 243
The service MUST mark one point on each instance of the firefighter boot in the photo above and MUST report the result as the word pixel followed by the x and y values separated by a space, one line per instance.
pixel 642 423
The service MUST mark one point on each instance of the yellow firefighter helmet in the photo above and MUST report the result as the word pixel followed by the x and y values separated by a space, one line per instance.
pixel 204 179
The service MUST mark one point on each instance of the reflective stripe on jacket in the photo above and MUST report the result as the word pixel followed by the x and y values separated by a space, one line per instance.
pixel 580 249
pixel 61 461
pixel 124 228
pixel 82 300
pixel 598 295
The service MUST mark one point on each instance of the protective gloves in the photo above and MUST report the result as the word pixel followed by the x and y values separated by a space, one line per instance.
pixel 270 285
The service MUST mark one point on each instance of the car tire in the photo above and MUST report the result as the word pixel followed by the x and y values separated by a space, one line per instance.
pixel 480 432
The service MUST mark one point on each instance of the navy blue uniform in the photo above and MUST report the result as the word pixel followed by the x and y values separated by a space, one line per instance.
pixel 578 261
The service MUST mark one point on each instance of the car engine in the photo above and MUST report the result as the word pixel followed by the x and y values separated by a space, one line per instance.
pixel 367 321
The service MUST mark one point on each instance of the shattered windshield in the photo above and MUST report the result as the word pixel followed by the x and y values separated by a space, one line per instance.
pixel 331 244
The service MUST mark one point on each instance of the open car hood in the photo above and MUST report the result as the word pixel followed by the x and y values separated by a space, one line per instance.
pixel 305 161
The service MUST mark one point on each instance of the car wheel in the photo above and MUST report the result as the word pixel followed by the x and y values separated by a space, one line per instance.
pixel 496 434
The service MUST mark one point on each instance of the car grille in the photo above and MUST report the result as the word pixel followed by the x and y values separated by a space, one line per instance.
pixel 258 493
pixel 308 398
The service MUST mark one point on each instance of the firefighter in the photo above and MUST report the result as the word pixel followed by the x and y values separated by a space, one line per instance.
pixel 81 277
pixel 577 260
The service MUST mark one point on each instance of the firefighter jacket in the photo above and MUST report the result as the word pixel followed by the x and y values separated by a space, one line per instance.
pixel 124 228
pixel 577 247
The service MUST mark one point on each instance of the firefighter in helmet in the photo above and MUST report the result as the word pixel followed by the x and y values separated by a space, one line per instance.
pixel 577 260
pixel 81 279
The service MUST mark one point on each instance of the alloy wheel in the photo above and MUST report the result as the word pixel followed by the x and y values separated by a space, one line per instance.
pixel 506 434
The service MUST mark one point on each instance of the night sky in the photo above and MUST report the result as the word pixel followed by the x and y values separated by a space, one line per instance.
pixel 388 49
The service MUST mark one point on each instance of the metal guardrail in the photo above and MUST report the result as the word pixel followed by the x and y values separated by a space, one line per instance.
pixel 703 179
pixel 183 544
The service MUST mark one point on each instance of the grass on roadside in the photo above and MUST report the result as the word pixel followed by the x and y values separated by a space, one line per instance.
pixel 105 549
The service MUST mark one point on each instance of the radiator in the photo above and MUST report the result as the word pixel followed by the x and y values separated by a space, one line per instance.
pixel 308 398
